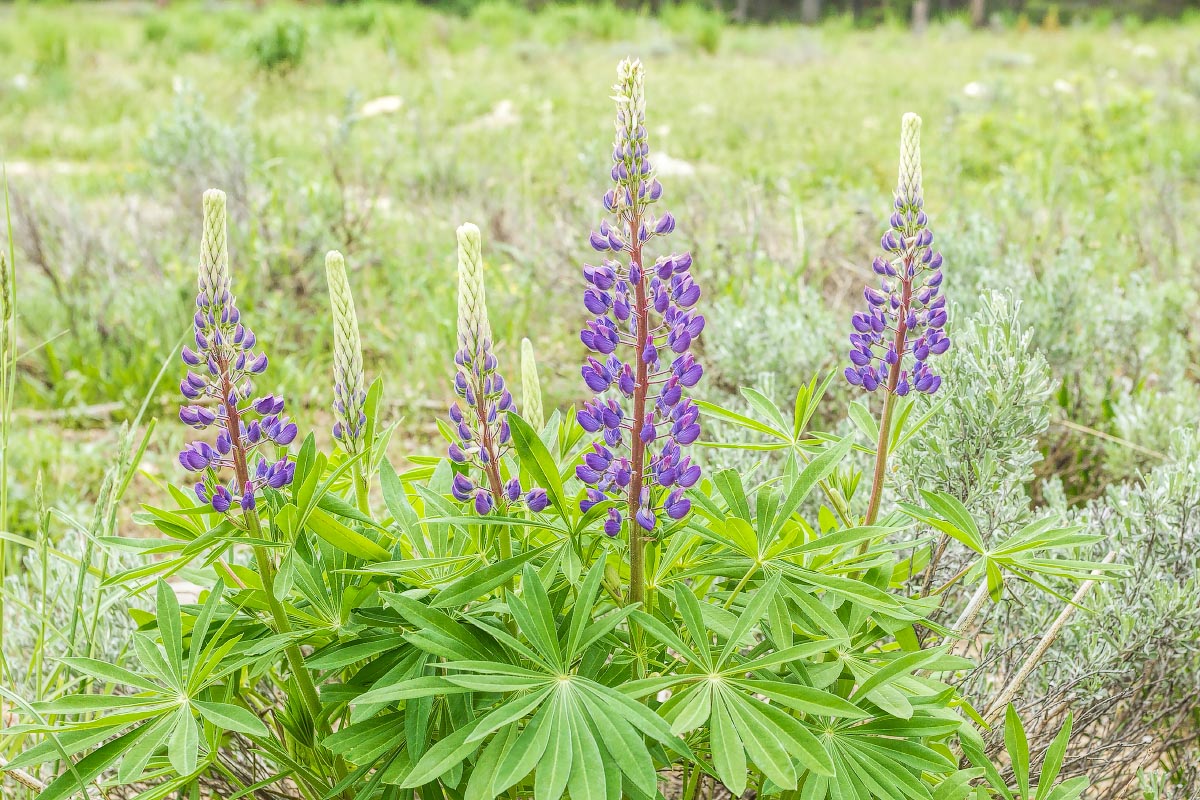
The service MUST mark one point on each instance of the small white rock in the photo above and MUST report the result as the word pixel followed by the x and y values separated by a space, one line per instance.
pixel 388 104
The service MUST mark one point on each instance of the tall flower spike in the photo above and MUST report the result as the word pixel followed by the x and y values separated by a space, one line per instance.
pixel 219 388
pixel 481 422
pixel 349 389
pixel 531 387
pixel 644 325
pixel 904 322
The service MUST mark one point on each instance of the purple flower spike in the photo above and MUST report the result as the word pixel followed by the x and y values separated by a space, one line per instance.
pixel 643 339
pixel 224 397
pixel 480 423
pixel 902 326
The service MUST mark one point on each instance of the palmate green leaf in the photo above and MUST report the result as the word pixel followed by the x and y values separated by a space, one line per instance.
pixel 229 717
pixel 476 584
pixel 1018 748
pixel 437 632
pixel 410 689
pixel 554 768
pixel 183 743
pixel 581 613
pixel 693 708
pixel 766 407
pixel 625 747
pixel 753 612
pixel 902 665
pixel 536 459
pixel 514 710
pixel 343 537
pixel 170 628
pixel 526 751
pixel 957 786
pixel 75 778
pixel 862 418
pixel 535 619
pixel 956 532
pixel 343 654
pixel 444 755
pixel 741 420
pixel 803 698
pixel 135 760
pixel 483 776
pixel 815 471
pixel 61 745
pixel 729 484
pixel 396 500
pixel 808 398
pixel 587 780
pixel 799 740
pixel 765 745
pixel 693 619
pixel 728 753
pixel 1053 761
pixel 86 703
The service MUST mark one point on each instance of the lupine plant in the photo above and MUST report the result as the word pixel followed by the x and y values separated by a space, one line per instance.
pixel 563 604
pixel 645 325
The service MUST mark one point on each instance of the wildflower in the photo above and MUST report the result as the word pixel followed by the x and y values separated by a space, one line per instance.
pixel 904 321
pixel 219 388
pixel 645 325
pixel 482 430
pixel 349 391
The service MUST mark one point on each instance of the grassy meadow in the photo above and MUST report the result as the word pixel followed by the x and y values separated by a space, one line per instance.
pixel 377 129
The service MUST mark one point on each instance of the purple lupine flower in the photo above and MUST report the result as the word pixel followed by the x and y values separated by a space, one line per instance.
pixel 481 422
pixel 644 327
pixel 905 318
pixel 224 395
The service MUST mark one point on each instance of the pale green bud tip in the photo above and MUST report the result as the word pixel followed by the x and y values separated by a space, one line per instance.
pixel 531 387
pixel 214 247
pixel 335 267
pixel 348 379
pixel 473 326
pixel 909 186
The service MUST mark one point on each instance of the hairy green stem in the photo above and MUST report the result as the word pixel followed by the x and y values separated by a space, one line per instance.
pixel 362 490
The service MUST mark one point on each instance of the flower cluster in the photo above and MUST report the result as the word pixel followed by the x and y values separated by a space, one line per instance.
pixel 349 392
pixel 644 326
pixel 220 392
pixel 905 318
pixel 481 428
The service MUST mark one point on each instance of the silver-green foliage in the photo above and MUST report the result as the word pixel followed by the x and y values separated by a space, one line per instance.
pixel 1131 667
pixel 983 444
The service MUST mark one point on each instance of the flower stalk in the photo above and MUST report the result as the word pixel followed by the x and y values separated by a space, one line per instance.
pixel 349 383
pixel 905 318
pixel 647 313
pixel 221 395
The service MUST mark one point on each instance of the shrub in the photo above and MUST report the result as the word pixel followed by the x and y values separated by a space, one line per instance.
pixel 278 46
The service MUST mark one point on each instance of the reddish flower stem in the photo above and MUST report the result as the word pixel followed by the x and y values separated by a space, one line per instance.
pixel 263 559
pixel 641 313
pixel 885 422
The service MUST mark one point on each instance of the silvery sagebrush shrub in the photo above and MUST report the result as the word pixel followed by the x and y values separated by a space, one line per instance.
pixel 571 609
pixel 1130 669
